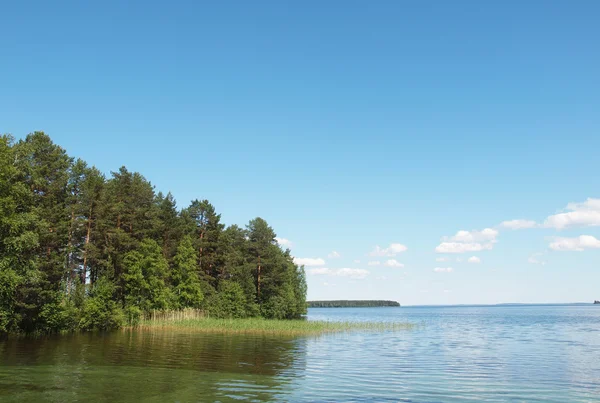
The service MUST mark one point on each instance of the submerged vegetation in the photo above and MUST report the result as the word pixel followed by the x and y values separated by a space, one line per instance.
pixel 82 251
pixel 351 304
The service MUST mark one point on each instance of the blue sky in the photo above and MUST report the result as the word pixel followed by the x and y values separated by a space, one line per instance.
pixel 346 125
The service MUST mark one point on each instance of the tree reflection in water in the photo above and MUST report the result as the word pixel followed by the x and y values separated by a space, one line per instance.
pixel 149 366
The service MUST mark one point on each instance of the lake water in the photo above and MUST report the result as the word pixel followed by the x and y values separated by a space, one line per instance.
pixel 454 354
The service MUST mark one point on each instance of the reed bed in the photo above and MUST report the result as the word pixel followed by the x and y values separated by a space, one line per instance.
pixel 204 324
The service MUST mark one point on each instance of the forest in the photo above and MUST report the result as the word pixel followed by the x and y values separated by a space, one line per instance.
pixel 83 251
pixel 351 304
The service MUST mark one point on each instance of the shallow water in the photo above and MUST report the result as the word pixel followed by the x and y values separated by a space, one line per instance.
pixel 454 354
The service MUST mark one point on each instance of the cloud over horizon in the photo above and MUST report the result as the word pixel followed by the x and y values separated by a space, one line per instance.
pixel 343 272
pixel 309 261
pixel 284 242
pixel 577 244
pixel 518 224
pixel 391 250
pixel 468 241
pixel 586 214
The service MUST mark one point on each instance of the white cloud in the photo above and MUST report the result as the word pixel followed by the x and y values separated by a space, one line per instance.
pixel 468 241
pixel 474 259
pixel 356 261
pixel 533 259
pixel 485 235
pixel 321 270
pixel 352 273
pixel 334 255
pixel 442 259
pixel 344 272
pixel 443 270
pixel 308 261
pixel 458 247
pixel 391 250
pixel 393 263
pixel 374 263
pixel 518 224
pixel 381 278
pixel 578 244
pixel 284 242
pixel 586 214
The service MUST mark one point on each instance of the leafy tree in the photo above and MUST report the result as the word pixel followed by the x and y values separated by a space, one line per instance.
pixel 18 238
pixel 231 301
pixel 186 283
pixel 144 278
pixel 100 310
pixel 79 251
pixel 44 169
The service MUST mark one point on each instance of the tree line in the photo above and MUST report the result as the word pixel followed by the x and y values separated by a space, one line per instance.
pixel 79 250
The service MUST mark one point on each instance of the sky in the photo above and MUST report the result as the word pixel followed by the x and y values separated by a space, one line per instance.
pixel 428 152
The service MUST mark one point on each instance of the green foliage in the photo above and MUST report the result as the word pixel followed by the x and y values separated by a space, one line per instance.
pixel 100 310
pixel 187 287
pixel 82 251
pixel 9 281
pixel 133 315
pixel 231 301
pixel 144 278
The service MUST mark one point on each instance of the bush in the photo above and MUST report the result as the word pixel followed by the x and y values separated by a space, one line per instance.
pixel 133 315
pixel 100 311
pixel 230 301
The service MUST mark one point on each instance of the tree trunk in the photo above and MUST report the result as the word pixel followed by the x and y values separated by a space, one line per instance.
pixel 258 280
pixel 69 252
pixel 85 250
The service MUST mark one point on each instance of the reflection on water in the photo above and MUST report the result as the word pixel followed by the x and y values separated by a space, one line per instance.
pixel 147 366
pixel 455 354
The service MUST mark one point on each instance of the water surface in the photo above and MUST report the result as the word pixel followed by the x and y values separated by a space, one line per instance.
pixel 454 354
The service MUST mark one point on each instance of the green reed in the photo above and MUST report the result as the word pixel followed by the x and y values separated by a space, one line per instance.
pixel 263 326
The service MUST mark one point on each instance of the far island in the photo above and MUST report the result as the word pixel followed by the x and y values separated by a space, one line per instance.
pixel 351 304
pixel 596 302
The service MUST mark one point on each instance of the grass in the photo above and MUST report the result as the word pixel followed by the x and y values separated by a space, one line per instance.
pixel 201 324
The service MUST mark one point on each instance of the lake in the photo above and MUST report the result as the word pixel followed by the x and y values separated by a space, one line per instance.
pixel 454 354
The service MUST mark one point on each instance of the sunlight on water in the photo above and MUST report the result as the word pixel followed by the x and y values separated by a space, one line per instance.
pixel 455 354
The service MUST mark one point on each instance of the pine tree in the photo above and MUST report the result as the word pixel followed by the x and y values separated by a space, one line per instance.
pixel 207 230
pixel 46 173
pixel 78 251
pixel 168 229
pixel 18 239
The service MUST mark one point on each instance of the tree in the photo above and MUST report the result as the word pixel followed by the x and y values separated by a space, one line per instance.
pixel 18 238
pixel 78 251
pixel 207 230
pixel 45 172
pixel 231 301
pixel 100 310
pixel 237 268
pixel 144 278
pixel 186 283
pixel 168 228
